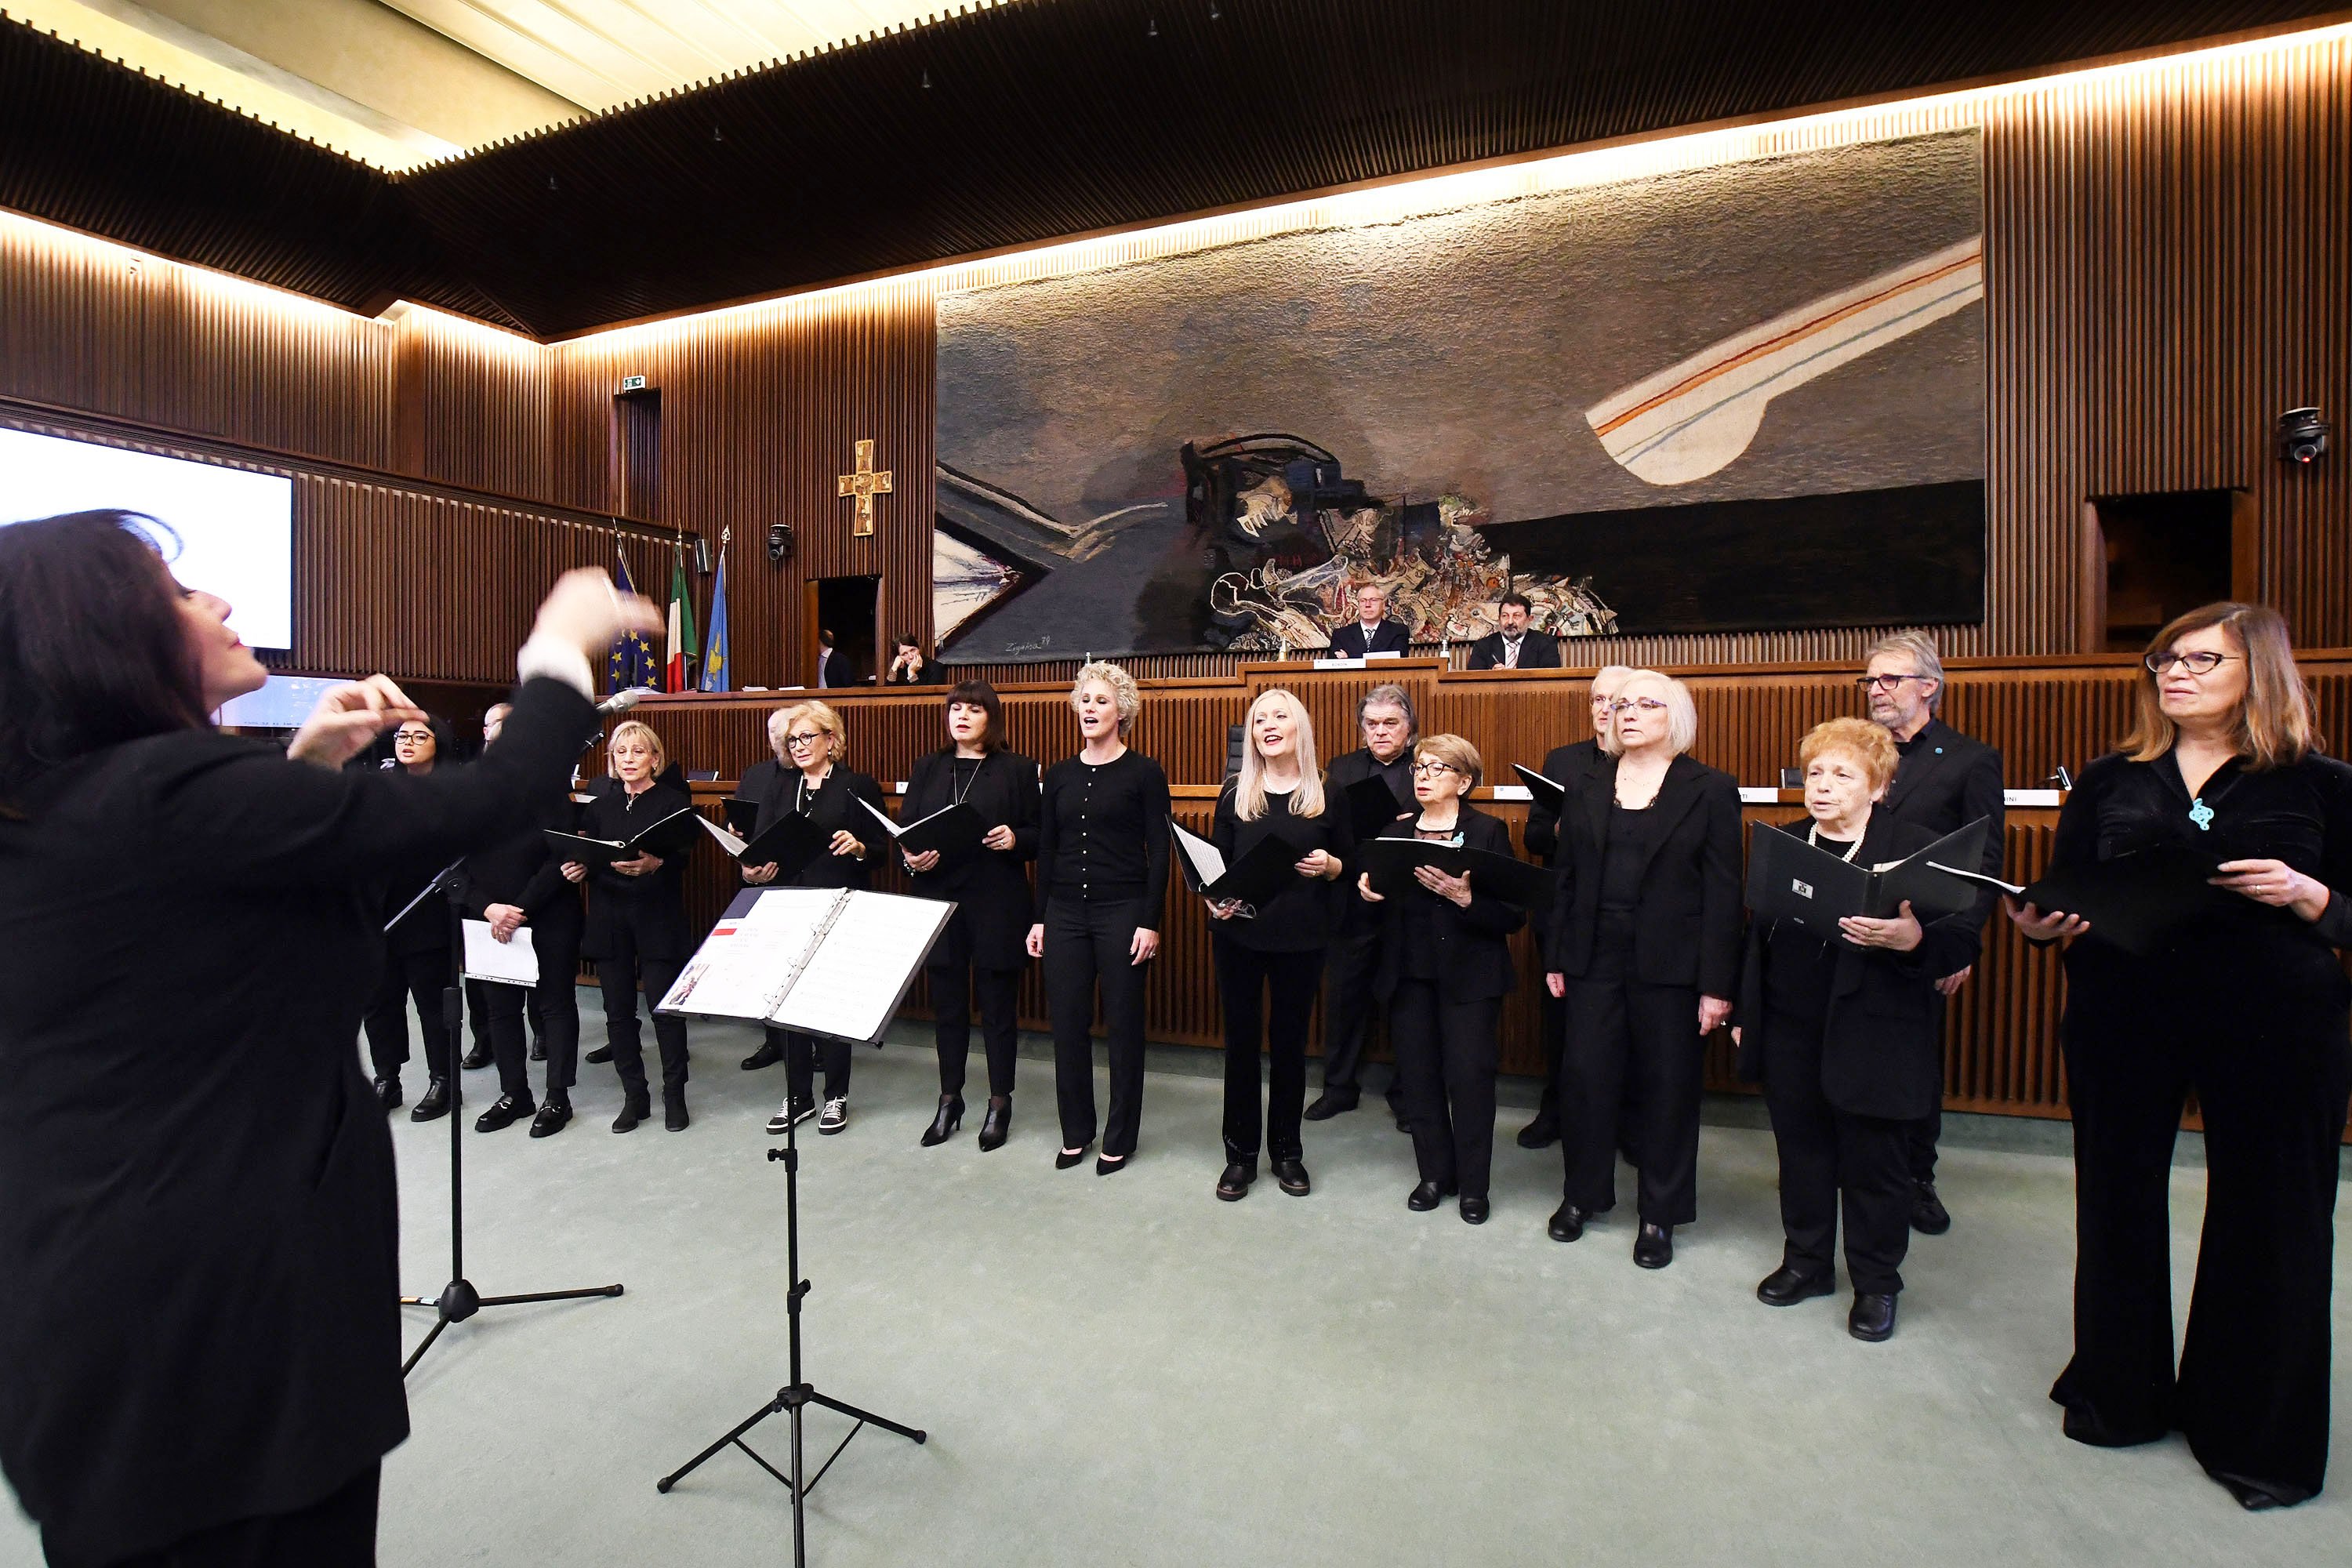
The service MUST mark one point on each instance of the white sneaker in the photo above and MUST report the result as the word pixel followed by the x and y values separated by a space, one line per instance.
pixel 836 1115
pixel 787 1115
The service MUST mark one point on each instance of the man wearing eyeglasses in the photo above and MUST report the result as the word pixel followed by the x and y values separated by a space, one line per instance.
pixel 1371 631
pixel 1945 782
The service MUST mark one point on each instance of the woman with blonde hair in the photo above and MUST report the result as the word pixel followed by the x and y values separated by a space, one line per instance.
pixel 1102 887
pixel 1272 956
pixel 2243 1003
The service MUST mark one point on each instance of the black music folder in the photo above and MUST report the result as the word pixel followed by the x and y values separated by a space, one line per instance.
pixel 790 842
pixel 742 816
pixel 1391 862
pixel 1550 792
pixel 670 835
pixel 954 831
pixel 1789 879
pixel 1270 864
pixel 2131 901
pixel 1372 806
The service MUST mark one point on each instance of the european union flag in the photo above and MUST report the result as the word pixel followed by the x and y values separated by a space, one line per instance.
pixel 631 662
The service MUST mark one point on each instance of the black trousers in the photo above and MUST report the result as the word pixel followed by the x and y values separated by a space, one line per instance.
pixel 1919 1145
pixel 1446 1054
pixel 1832 1159
pixel 801 1054
pixel 1086 945
pixel 1267 997
pixel 2271 1078
pixel 1620 1029
pixel 338 1531
pixel 954 980
pixel 497 1013
pixel 553 1008
pixel 1350 1009
pixel 424 976
pixel 618 970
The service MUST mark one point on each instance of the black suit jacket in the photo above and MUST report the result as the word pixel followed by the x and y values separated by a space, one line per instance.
pixel 1388 637
pixel 1568 766
pixel 200 1236
pixel 651 908
pixel 1880 1047
pixel 990 887
pixel 1355 919
pixel 836 808
pixel 1474 954
pixel 1946 782
pixel 1537 651
pixel 1687 923
pixel 522 870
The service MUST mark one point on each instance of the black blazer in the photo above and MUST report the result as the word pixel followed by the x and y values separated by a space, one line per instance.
pixel 1687 924
pixel 1568 766
pixel 1946 782
pixel 652 908
pixel 1388 637
pixel 834 809
pixel 1880 1052
pixel 1353 917
pixel 1475 959
pixel 200 1236
pixel 990 887
pixel 522 870
pixel 1537 651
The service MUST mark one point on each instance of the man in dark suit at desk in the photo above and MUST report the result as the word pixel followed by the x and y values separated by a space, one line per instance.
pixel 1514 647
pixel 1371 631
pixel 1945 782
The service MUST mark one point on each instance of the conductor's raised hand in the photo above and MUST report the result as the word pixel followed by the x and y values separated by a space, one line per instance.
pixel 584 611
pixel 928 861
pixel 2038 927
pixel 758 875
pixel 347 718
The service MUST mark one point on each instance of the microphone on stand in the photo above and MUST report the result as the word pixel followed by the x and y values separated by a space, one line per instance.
pixel 622 701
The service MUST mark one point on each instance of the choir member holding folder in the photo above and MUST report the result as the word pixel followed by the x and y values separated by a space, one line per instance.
pixel 1445 967
pixel 760 781
pixel 1840 1025
pixel 1102 887
pixel 1269 951
pixel 200 1336
pixel 981 950
pixel 1644 942
pixel 636 928
pixel 834 800
pixel 1385 718
pixel 2239 996
pixel 415 949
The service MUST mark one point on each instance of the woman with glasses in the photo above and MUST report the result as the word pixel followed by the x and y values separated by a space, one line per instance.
pixel 1645 945
pixel 1271 956
pixel 1445 967
pixel 416 948
pixel 2242 1002
pixel 835 798
pixel 980 950
pixel 1102 890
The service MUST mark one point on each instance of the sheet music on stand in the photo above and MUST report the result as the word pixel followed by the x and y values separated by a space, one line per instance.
pixel 832 961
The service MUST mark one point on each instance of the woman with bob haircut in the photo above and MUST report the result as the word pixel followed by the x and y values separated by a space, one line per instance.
pixel 1445 967
pixel 1645 945
pixel 199 1339
pixel 981 949
pixel 1844 1034
pixel 1276 949
pixel 2245 1004
pixel 1102 884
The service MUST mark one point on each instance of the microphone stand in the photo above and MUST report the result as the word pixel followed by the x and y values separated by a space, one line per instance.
pixel 459 1300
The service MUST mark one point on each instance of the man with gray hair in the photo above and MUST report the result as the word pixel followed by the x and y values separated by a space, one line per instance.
pixel 1389 726
pixel 1945 782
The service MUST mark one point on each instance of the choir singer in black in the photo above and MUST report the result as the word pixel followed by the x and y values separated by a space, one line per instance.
pixel 2245 1004
pixel 1385 717
pixel 1445 967
pixel 980 954
pixel 1269 959
pixel 200 1339
pixel 1102 889
pixel 417 949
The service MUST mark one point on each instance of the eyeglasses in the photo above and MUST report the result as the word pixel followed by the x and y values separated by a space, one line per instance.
pixel 1885 682
pixel 803 738
pixel 413 735
pixel 1430 770
pixel 1646 704
pixel 2204 661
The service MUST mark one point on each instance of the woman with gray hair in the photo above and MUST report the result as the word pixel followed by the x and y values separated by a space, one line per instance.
pixel 1102 884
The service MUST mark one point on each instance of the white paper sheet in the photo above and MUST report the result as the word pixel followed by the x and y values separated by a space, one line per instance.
pixel 511 962
pixel 853 984
pixel 1208 862
pixel 744 962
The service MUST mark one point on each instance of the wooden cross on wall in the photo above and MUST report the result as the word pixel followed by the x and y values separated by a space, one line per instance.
pixel 865 483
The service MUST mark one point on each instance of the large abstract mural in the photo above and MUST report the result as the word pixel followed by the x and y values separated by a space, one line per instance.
pixel 1742 397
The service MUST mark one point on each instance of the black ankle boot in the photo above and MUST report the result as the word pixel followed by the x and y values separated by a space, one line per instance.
pixel 433 1103
pixel 636 1105
pixel 945 1122
pixel 1235 1185
pixel 996 1124
pixel 674 1107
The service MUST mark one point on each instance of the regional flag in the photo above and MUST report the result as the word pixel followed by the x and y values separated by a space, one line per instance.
pixel 631 662
pixel 714 655
pixel 681 624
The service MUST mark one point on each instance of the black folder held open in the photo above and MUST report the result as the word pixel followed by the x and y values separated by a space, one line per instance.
pixel 1372 806
pixel 2133 899
pixel 670 835
pixel 1391 862
pixel 1270 865
pixel 1789 879
pixel 790 842
pixel 1548 792
pixel 954 831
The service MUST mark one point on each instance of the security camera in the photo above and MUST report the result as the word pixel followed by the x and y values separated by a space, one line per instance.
pixel 2302 435
pixel 780 543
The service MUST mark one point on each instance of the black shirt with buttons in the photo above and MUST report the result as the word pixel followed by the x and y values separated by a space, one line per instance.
pixel 1104 835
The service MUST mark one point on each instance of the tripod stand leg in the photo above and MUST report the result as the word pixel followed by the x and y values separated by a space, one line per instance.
pixel 869 1417
pixel 751 1421
pixel 551 1296
pixel 418 1353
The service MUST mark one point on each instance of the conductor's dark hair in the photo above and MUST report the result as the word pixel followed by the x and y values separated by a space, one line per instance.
pixel 94 650
pixel 1508 600
pixel 979 694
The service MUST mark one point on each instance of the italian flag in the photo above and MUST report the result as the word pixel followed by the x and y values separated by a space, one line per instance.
pixel 681 626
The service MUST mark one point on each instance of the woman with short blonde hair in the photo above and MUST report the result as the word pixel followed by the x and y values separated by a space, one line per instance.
pixel 1126 696
pixel 822 717
pixel 1867 744
pixel 637 729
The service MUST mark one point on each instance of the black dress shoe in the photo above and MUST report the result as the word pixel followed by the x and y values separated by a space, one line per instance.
pixel 1066 1158
pixel 550 1119
pixel 1331 1102
pixel 1788 1284
pixel 1566 1222
pixel 1928 1216
pixel 1427 1196
pixel 433 1103
pixel 674 1116
pixel 1111 1165
pixel 1654 1248
pixel 1475 1211
pixel 479 1057
pixel 1292 1174
pixel 944 1123
pixel 634 1108
pixel 538 1050
pixel 2256 1496
pixel 1873 1317
pixel 387 1093
pixel 1235 1185
pixel 995 1124
pixel 504 1113
pixel 1540 1133
pixel 600 1055
pixel 766 1056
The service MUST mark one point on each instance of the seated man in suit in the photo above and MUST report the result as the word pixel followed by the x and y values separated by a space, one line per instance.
pixel 1371 631
pixel 1514 647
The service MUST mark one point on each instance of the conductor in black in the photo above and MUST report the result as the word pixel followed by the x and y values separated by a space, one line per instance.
pixel 1945 782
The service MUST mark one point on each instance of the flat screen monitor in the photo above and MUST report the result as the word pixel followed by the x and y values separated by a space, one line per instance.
pixel 231 530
